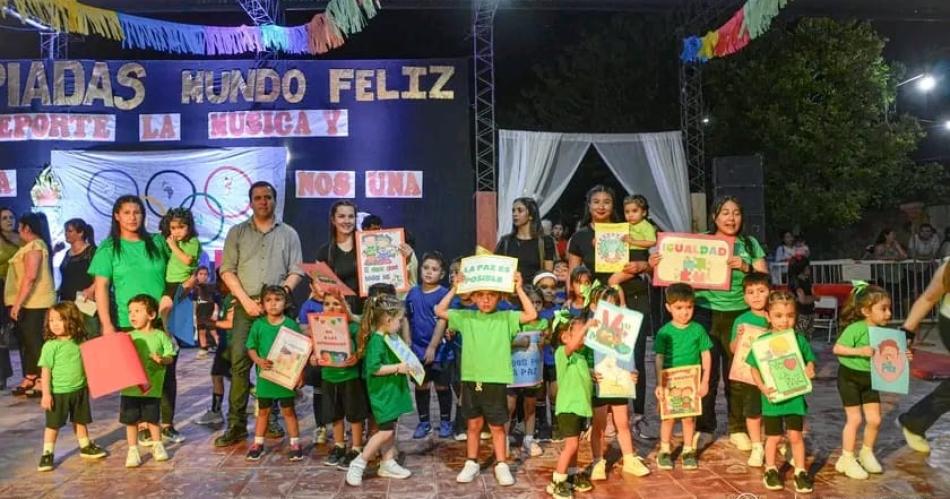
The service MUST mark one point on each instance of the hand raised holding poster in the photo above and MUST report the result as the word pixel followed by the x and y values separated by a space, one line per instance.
pixel 679 392
pixel 781 365
pixel 488 273
pixel 741 370
pixel 289 353
pixel 379 260
pixel 701 261
pixel 610 249
pixel 616 331
pixel 331 339
pixel 890 367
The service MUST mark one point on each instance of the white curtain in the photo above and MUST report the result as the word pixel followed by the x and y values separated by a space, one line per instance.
pixel 541 164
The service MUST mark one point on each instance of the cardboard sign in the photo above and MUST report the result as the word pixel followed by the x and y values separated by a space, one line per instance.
pixel 322 273
pixel 890 369
pixel 488 273
pixel 741 370
pixel 112 364
pixel 416 371
pixel 611 253
pixel 481 250
pixel 331 338
pixel 379 259
pixel 681 392
pixel 616 332
pixel 289 353
pixel 526 359
pixel 615 376
pixel 698 260
pixel 781 366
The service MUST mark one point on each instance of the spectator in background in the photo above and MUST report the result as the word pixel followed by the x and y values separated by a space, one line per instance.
pixel 944 251
pixel 801 249
pixel 546 227
pixel 559 233
pixel 791 246
pixel 886 246
pixel 924 245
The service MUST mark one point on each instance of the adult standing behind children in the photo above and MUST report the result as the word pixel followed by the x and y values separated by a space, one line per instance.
pixel 261 251
pixel 74 268
pixel 526 241
pixel 339 253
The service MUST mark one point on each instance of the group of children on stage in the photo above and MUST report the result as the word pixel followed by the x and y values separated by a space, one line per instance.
pixel 466 344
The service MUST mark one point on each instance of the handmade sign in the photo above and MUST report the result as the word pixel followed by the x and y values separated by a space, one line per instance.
pixel 781 365
pixel 614 376
pixel 416 371
pixel 379 259
pixel 698 260
pixel 616 331
pixel 745 335
pixel 289 353
pixel 890 369
pixel 611 253
pixel 321 273
pixel 681 392
pixel 488 273
pixel 526 359
pixel 331 338
pixel 112 364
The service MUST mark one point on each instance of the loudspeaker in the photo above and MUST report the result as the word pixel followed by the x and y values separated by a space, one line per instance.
pixel 744 178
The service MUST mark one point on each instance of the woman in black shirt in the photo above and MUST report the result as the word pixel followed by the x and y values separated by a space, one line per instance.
pixel 340 251
pixel 527 242
pixel 74 268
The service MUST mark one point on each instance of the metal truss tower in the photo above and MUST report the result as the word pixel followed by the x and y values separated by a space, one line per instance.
pixel 483 38
pixel 263 12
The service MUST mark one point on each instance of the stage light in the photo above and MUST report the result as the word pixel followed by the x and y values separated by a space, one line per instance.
pixel 706 120
pixel 926 83
pixel 946 125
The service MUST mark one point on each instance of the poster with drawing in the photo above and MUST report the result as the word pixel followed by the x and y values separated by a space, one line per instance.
pixel 616 331
pixel 745 335
pixel 781 365
pixel 614 376
pixel 702 261
pixel 681 392
pixel 526 359
pixel 611 253
pixel 379 259
pixel 488 273
pixel 289 353
pixel 321 273
pixel 331 338
pixel 889 365
pixel 399 347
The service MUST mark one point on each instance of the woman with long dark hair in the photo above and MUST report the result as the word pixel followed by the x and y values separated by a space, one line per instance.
pixel 9 244
pixel 339 253
pixel 29 291
pixel 526 241
pixel 74 269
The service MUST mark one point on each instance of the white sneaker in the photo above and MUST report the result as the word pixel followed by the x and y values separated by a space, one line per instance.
pixel 132 459
pixel 741 441
pixel 484 435
pixel 158 452
pixel 468 473
pixel 391 469
pixel 914 441
pixel 757 458
pixel 354 474
pixel 598 471
pixel 532 448
pixel 850 467
pixel 320 436
pixel 867 461
pixel 503 475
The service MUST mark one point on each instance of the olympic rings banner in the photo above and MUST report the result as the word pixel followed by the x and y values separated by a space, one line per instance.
pixel 213 183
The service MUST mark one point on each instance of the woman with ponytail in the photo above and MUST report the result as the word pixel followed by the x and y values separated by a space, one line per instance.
pixel 74 268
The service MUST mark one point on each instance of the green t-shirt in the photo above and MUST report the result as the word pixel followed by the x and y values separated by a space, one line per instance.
pixel 341 374
pixel 389 395
pixel 681 347
pixel 574 386
pixel 486 343
pixel 733 298
pixel 177 271
pixel 749 318
pixel 856 335
pixel 643 231
pixel 64 361
pixel 795 405
pixel 260 338
pixel 132 272
pixel 538 325
pixel 146 343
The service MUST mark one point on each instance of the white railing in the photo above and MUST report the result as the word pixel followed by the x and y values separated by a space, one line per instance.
pixel 905 280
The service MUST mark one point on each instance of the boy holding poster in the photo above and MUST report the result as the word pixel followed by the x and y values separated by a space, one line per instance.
pixel 680 342
pixel 486 369
pixel 788 416
pixel 746 402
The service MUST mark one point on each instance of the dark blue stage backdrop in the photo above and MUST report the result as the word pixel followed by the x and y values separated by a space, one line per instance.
pixel 390 135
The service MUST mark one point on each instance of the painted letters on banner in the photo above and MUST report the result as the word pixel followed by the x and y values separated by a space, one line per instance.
pixel 393 184
pixel 698 260
pixel 379 259
pixel 331 338
pixel 889 365
pixel 289 353
pixel 526 359
pixel 159 127
pixel 741 370
pixel 264 124
pixel 326 184
pixel 7 183
pixel 611 253
pixel 681 392
pixel 781 365
pixel 488 273
pixel 57 126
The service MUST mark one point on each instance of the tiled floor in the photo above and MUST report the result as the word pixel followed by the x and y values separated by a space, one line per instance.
pixel 197 469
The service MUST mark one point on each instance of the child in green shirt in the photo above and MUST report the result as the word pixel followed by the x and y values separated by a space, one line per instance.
pixel 486 369
pixel 787 415
pixel 178 229
pixel 529 394
pixel 65 394
pixel 386 383
pixel 746 401
pixel 155 351
pixel 679 343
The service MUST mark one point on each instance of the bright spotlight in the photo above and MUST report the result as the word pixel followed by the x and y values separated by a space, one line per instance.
pixel 926 83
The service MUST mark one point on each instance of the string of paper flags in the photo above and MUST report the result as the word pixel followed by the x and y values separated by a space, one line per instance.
pixel 748 23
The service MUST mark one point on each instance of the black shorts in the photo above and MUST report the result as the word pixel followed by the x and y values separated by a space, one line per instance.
pixel 170 289
pixel 437 374
pixel 748 397
pixel 134 410
pixel 345 399
pixel 486 400
pixel 854 387
pixel 284 402
pixel 72 406
pixel 387 426
pixel 774 424
pixel 550 374
pixel 527 391
pixel 221 366
pixel 570 425
pixel 600 402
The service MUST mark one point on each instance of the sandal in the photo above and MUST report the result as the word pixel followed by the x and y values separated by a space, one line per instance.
pixel 25 389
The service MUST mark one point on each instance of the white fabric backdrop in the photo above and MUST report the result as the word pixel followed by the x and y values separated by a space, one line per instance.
pixel 541 165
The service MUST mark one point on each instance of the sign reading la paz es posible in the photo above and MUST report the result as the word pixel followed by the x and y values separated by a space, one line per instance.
pixel 488 273
pixel 702 261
